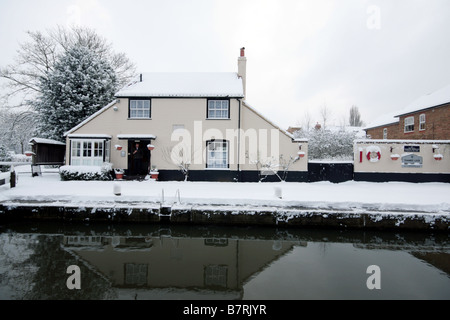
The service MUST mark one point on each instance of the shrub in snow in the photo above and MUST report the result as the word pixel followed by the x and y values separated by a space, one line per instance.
pixel 5 155
pixel 86 173
pixel 328 145
pixel 20 157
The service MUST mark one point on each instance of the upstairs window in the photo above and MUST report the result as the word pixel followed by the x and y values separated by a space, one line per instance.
pixel 385 133
pixel 140 109
pixel 218 109
pixel 422 121
pixel 409 124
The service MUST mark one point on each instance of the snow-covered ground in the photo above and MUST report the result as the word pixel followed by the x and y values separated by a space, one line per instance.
pixel 389 196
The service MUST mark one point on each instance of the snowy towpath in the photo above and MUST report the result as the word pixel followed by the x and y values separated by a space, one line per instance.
pixel 392 196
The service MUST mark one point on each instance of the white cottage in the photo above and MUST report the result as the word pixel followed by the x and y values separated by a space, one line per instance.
pixel 195 123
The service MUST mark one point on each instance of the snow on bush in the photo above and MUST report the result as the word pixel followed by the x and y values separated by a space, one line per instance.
pixel 20 158
pixel 86 173
pixel 5 155
pixel 328 144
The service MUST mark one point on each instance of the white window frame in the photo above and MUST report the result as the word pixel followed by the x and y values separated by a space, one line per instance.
pixel 409 124
pixel 216 275
pixel 217 155
pixel 136 274
pixel 140 109
pixel 218 109
pixel 422 122
pixel 87 152
pixel 385 133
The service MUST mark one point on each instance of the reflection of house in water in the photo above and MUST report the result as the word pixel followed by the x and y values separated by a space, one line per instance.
pixel 217 265
pixel 437 256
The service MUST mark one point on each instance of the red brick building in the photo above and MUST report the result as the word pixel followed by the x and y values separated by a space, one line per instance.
pixel 427 118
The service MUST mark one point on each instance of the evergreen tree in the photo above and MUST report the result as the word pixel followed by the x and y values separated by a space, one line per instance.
pixel 79 85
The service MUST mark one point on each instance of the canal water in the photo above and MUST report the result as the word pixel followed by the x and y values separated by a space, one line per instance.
pixel 157 262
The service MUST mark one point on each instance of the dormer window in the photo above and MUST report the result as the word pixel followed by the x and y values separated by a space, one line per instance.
pixel 140 109
pixel 218 109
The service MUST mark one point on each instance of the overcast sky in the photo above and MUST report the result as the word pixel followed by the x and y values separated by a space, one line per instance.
pixel 301 55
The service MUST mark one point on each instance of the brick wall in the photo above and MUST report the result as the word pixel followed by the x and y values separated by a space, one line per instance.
pixel 437 126
pixel 377 133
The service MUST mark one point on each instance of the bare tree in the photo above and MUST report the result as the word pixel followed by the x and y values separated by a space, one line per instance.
pixel 307 120
pixel 355 117
pixel 17 128
pixel 285 165
pixel 36 58
pixel 325 113
pixel 270 166
pixel 181 156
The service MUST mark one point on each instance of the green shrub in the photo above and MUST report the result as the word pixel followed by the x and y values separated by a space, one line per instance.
pixel 86 173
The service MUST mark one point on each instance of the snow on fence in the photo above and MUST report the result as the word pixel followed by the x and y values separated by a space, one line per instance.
pixel 402 160
pixel 8 178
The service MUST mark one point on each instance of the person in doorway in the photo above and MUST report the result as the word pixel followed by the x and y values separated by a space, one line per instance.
pixel 138 157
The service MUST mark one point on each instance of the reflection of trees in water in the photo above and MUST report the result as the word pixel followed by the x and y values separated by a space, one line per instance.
pixel 16 278
pixel 49 279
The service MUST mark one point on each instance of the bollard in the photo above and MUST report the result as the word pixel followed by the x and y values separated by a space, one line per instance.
pixel 116 189
pixel 278 192
pixel 12 180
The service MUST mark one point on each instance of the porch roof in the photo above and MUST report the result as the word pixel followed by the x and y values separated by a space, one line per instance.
pixel 89 135
pixel 136 136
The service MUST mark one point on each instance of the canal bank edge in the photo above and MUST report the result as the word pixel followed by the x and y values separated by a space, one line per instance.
pixel 227 215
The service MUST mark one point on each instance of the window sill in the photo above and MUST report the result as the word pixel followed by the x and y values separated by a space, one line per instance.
pixel 407 132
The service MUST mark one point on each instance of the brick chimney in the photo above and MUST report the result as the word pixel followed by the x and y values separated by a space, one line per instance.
pixel 242 69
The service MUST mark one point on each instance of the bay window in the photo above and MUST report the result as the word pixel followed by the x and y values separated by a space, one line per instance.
pixel 87 152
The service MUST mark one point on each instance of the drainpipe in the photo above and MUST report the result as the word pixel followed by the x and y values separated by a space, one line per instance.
pixel 239 142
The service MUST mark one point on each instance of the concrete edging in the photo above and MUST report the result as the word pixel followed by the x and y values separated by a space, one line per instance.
pixel 228 215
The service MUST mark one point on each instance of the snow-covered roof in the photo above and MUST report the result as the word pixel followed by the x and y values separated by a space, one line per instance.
pixel 184 84
pixel 388 118
pixel 136 136
pixel 405 141
pixel 436 98
pixel 45 141
pixel 90 135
